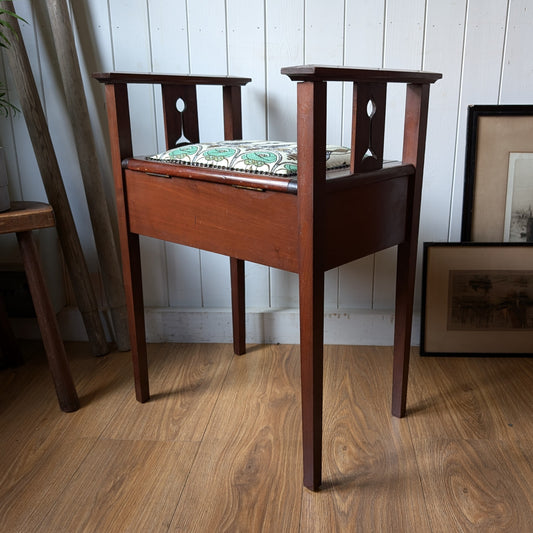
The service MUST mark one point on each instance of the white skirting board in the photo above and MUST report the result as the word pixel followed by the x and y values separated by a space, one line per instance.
pixel 167 324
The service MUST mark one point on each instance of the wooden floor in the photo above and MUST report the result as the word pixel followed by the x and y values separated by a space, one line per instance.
pixel 218 447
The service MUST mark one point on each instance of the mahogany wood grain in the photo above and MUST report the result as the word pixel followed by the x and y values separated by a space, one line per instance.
pixel 169 79
pixel 215 175
pixel 311 210
pixel 214 217
pixel 368 126
pixel 416 111
pixel 232 112
pixel 307 226
pixel 359 75
pixel 180 123
pixel 238 305
pixel 232 109
pixel 120 130
pixel 380 206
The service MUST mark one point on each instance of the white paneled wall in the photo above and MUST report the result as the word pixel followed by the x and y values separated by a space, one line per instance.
pixel 482 47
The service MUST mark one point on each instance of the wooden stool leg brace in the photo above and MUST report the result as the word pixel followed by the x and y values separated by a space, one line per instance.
pixel 46 318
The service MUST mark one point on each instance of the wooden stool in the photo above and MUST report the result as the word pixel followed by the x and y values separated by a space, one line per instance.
pixel 306 223
pixel 22 219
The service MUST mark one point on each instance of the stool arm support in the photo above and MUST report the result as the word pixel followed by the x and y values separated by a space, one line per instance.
pixel 168 79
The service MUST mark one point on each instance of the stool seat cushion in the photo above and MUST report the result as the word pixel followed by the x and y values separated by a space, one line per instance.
pixel 275 158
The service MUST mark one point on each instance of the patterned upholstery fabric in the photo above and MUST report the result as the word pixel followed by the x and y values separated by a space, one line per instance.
pixel 260 157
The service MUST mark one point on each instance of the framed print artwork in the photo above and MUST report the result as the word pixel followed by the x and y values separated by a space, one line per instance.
pixel 498 190
pixel 477 299
pixel 518 223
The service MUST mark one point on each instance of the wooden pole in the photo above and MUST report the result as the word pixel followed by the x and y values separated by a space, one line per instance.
pixel 55 190
pixel 91 175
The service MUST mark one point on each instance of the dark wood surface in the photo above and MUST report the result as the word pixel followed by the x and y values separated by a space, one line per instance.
pixel 24 216
pixel 318 226
pixel 174 79
pixel 230 220
pixel 120 131
pixel 215 175
pixel 22 219
pixel 48 326
pixel 360 75
pixel 416 112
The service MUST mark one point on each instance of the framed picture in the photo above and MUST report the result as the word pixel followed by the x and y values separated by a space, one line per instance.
pixel 477 299
pixel 498 189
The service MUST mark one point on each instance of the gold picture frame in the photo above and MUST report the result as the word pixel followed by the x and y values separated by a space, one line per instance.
pixel 477 299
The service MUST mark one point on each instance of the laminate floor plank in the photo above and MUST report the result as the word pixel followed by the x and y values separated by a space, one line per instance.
pixel 123 486
pixel 371 480
pixel 36 478
pixel 471 433
pixel 474 486
pixel 248 474
pixel 447 401
pixel 506 386
pixel 185 381
pixel 218 447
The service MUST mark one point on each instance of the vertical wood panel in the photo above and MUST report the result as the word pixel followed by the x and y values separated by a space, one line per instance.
pixel 92 32
pixel 482 61
pixel 284 47
pixel 208 46
pixel 404 40
pixel 517 82
pixel 328 18
pixel 256 39
pixel 246 57
pixel 131 38
pixel 170 53
pixel 363 47
pixel 443 52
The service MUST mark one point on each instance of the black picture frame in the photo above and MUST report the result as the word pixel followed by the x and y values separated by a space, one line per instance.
pixel 492 133
pixel 477 299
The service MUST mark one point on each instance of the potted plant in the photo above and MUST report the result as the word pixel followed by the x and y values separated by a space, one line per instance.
pixel 6 107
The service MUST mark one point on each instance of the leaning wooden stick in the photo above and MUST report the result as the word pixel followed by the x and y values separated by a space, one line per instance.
pixel 31 107
pixel 90 171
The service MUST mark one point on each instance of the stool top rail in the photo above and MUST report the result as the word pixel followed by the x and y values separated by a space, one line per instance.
pixel 168 79
pixel 361 75
pixel 26 216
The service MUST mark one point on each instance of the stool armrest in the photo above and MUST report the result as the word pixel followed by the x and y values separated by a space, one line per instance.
pixel 358 75
pixel 168 79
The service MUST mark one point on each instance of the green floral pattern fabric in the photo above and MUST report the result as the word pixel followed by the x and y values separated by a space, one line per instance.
pixel 260 157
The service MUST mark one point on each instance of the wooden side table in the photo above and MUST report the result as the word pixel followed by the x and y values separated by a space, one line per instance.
pixel 22 218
